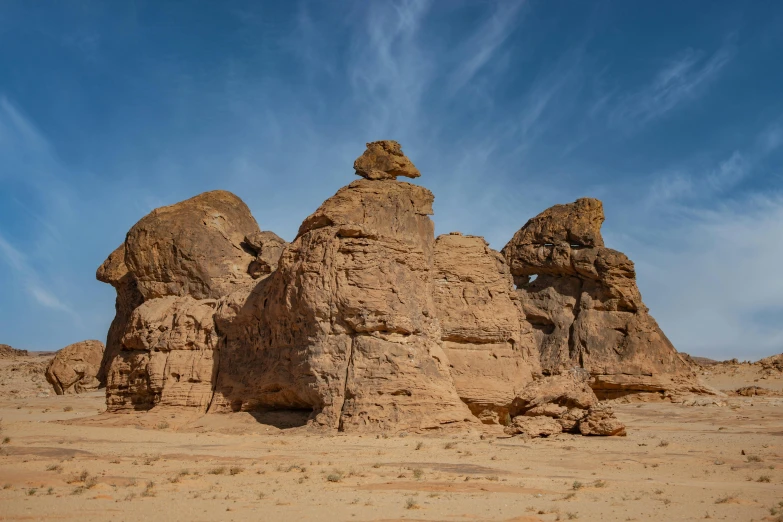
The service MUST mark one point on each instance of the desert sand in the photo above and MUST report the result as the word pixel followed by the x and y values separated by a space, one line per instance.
pixel 64 458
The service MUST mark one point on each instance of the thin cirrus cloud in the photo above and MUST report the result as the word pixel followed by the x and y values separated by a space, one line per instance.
pixel 682 79
pixel 30 278
pixel 507 108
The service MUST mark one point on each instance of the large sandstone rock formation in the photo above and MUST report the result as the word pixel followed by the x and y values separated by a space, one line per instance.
pixel 74 369
pixel 583 302
pixel 174 264
pixel 490 347
pixel 347 326
pixel 367 322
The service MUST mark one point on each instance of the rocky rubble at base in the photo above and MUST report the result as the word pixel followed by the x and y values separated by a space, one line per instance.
pixel 370 323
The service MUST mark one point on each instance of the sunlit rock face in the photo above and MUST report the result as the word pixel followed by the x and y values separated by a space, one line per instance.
pixel 582 300
pixel 367 322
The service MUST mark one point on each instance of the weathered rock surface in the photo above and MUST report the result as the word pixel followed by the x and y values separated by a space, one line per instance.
pixel 491 353
pixel 114 272
pixel 583 302
pixel 774 362
pixel 169 356
pixel 268 248
pixel 8 351
pixel 384 160
pixel 195 247
pixel 199 249
pixel 74 369
pixel 562 403
pixel 346 326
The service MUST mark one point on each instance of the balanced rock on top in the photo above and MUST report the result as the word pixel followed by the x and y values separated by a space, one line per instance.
pixel 384 160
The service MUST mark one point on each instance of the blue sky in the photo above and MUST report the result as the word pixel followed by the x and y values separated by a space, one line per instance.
pixel 670 112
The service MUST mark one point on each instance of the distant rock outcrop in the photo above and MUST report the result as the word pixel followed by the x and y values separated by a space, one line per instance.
pixel 587 311
pixel 774 362
pixel 8 351
pixel 74 369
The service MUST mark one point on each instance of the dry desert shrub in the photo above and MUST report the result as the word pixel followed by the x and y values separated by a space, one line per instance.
pixel 235 470
pixel 149 490
pixel 410 503
pixel 221 470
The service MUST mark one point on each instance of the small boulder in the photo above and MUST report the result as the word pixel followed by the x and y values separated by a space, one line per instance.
pixel 600 420
pixel 534 426
pixel 268 248
pixel 562 403
pixel 74 369
pixel 384 160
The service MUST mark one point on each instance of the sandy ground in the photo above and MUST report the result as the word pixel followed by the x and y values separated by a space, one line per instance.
pixel 61 459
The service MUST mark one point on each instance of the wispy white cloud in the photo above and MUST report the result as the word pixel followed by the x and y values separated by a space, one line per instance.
pixel 682 79
pixel 27 156
pixel 771 138
pixel 712 284
pixel 482 45
pixel 30 278
pixel 388 69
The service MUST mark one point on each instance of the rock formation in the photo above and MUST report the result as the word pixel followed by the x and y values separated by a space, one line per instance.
pixel 174 264
pixel 8 351
pixel 346 326
pixel 562 403
pixel 74 369
pixel 367 322
pixel 774 362
pixel 384 160
pixel 583 302
pixel 490 347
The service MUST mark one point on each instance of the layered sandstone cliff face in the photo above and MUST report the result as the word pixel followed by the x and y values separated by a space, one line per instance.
pixel 587 312
pixel 367 322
